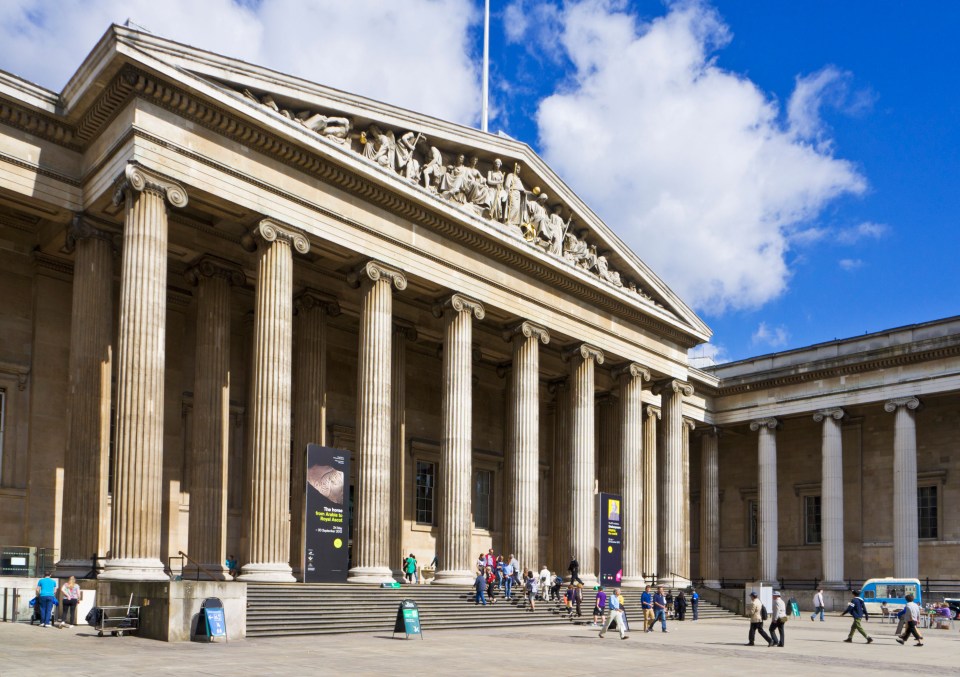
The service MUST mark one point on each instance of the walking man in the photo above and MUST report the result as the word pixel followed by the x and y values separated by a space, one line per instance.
pixel 858 610
pixel 646 603
pixel 599 607
pixel 659 611
pixel 480 584
pixel 574 569
pixel 616 616
pixel 756 620
pixel 778 620
pixel 508 579
pixel 817 605
pixel 695 603
pixel 912 615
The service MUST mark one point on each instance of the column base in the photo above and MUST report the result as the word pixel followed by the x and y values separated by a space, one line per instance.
pixel 209 572
pixel 632 582
pixel 674 582
pixel 834 585
pixel 398 576
pixel 133 569
pixel 589 580
pixel 453 577
pixel 73 567
pixel 710 583
pixel 370 575
pixel 266 572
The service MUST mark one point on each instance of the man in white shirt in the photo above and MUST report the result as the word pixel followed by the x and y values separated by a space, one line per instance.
pixel 817 606
pixel 777 621
pixel 911 614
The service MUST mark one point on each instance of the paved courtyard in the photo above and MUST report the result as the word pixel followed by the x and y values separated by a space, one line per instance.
pixel 688 649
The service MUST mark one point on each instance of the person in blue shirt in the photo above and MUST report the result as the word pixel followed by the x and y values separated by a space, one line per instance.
pixel 508 580
pixel 646 603
pixel 480 584
pixel 858 610
pixel 616 615
pixel 46 593
pixel 659 611
pixel 695 603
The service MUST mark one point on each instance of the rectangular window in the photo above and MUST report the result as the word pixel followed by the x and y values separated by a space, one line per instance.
pixel 752 529
pixel 927 512
pixel 482 503
pixel 811 519
pixel 426 491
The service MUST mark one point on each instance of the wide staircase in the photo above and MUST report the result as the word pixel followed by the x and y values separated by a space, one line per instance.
pixel 331 608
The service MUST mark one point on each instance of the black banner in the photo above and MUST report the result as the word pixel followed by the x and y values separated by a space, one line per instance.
pixel 611 543
pixel 328 479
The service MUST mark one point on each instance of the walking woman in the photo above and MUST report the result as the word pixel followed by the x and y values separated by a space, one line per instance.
pixel 69 598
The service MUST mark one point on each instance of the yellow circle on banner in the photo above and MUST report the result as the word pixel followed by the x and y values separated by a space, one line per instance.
pixel 337 543
pixel 609 548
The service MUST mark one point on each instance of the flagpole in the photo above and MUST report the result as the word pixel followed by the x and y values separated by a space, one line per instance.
pixel 486 65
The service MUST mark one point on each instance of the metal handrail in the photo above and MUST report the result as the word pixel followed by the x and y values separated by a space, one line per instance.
pixel 199 566
pixel 724 600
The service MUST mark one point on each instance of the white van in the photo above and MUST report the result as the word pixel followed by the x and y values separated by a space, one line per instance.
pixel 893 591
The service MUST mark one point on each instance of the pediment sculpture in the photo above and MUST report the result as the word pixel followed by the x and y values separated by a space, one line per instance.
pixel 496 195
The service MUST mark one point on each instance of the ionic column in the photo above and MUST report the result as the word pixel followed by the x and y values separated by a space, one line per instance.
pixel 767 497
pixel 371 541
pixel 311 310
pixel 905 522
pixel 583 524
pixel 676 530
pixel 630 470
pixel 689 425
pixel 831 497
pixel 710 508
pixel 402 333
pixel 88 428
pixel 138 457
pixel 211 417
pixel 456 449
pixel 268 528
pixel 523 521
pixel 560 475
pixel 651 415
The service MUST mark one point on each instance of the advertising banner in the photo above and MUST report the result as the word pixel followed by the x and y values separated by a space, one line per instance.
pixel 611 542
pixel 325 521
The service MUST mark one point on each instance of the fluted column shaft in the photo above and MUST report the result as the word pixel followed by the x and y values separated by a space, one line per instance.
pixel 311 308
pixel 560 476
pixel 767 498
pixel 630 471
pixel 688 427
pixel 211 418
pixel 676 504
pixel 138 462
pixel 608 443
pixel 402 333
pixel 710 509
pixel 523 518
pixel 456 448
pixel 88 439
pixel 831 497
pixel 650 489
pixel 905 520
pixel 583 459
pixel 268 535
pixel 371 543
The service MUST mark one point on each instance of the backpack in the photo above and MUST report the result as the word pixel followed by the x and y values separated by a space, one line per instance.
pixel 763 613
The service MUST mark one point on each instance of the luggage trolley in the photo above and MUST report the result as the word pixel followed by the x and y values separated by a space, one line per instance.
pixel 117 620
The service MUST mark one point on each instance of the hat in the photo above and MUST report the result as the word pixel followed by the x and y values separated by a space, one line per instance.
pixel 753 593
pixel 776 593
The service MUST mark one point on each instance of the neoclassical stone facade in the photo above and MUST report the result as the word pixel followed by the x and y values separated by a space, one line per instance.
pixel 210 265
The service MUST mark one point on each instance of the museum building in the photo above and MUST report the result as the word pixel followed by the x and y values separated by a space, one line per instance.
pixel 206 266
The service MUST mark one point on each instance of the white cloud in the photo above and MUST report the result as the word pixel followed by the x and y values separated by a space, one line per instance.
pixel 415 54
pixel 776 337
pixel 850 264
pixel 691 164
pixel 863 231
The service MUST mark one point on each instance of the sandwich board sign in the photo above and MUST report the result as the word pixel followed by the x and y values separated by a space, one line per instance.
pixel 408 619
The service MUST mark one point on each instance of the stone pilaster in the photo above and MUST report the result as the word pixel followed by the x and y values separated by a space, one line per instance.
pixel 630 470
pixel 906 558
pixel 676 529
pixel 523 520
pixel 767 545
pixel 560 475
pixel 88 428
pixel 138 460
pixel 454 531
pixel 710 508
pixel 311 310
pixel 831 497
pixel 371 541
pixel 651 492
pixel 211 417
pixel 583 526
pixel 402 333
pixel 268 528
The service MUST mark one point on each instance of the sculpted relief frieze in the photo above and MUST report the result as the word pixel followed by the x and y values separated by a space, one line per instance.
pixel 497 194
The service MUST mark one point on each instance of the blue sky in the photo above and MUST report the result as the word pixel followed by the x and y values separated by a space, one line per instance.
pixel 789 168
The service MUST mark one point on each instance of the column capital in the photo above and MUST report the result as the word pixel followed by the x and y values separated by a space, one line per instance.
pixel 271 230
pixel 909 402
pixel 138 179
pixel 405 329
pixel 769 423
pixel 213 266
pixel 689 423
pixel 82 227
pixel 585 351
pixel 310 298
pixel 709 431
pixel 632 370
pixel 374 271
pixel 459 303
pixel 527 329
pixel 651 410
pixel 836 413
pixel 555 384
pixel 672 385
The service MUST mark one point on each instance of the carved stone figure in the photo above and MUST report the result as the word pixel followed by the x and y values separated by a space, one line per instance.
pixel 452 183
pixel 475 187
pixel 551 233
pixel 433 169
pixel 575 249
pixel 407 156
pixel 536 216
pixel 498 195
pixel 332 128
pixel 513 212
pixel 379 147
pixel 603 269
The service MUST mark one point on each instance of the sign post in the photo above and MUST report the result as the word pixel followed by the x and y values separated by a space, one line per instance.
pixel 611 541
pixel 325 519
pixel 408 619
